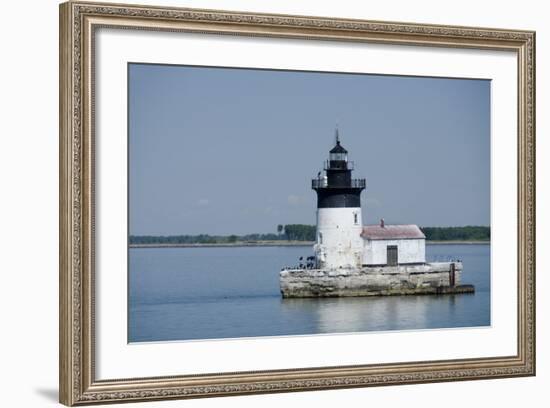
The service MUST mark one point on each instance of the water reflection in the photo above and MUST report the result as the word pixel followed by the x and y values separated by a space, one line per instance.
pixel 375 313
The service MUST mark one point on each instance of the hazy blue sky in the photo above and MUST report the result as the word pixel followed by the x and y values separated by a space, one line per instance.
pixel 222 151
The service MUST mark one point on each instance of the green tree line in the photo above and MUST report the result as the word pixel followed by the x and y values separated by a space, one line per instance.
pixel 293 232
pixel 303 232
pixel 468 233
pixel 200 239
pixel 300 232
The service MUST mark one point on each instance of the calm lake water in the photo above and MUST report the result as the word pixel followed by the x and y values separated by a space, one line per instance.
pixel 210 293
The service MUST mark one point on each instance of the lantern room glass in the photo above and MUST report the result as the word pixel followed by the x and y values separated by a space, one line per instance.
pixel 338 157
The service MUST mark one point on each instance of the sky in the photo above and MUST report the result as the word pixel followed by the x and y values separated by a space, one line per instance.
pixel 233 151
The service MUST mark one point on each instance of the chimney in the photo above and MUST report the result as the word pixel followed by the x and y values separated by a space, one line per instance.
pixel 382 222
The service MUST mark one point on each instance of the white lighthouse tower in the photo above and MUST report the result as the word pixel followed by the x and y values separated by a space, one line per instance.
pixel 339 223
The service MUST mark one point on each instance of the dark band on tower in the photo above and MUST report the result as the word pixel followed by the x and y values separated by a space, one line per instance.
pixel 336 188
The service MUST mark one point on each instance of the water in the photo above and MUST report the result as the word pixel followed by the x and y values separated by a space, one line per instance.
pixel 209 293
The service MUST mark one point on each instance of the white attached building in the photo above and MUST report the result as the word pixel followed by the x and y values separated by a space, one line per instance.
pixel 393 245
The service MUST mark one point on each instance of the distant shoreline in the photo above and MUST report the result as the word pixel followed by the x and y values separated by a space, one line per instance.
pixel 227 244
pixel 465 242
pixel 278 244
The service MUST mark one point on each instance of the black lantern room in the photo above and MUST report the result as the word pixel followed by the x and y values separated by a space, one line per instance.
pixel 336 188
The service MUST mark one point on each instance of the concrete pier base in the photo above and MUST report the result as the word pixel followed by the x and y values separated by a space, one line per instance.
pixel 415 279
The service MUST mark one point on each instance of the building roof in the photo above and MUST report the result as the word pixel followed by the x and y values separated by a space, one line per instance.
pixel 392 232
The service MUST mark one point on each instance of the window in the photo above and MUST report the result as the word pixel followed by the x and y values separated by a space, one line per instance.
pixel 355 218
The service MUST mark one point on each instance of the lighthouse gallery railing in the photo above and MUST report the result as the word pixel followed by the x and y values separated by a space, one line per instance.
pixel 322 183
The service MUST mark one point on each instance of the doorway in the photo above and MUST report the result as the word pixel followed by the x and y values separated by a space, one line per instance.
pixel 392 255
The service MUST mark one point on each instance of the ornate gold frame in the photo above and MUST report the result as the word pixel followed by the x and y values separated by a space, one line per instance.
pixel 78 21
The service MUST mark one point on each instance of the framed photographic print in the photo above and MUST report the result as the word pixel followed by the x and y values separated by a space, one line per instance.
pixel 256 203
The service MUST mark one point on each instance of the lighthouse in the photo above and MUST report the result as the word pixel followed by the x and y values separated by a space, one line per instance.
pixel 339 244
pixel 353 259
